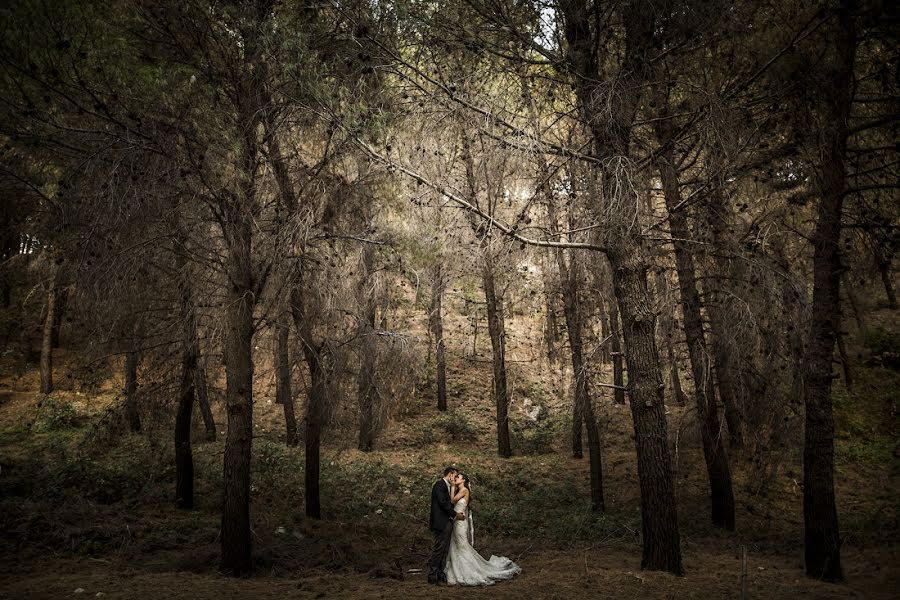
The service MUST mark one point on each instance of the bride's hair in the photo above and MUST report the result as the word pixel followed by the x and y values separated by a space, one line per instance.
pixel 466 481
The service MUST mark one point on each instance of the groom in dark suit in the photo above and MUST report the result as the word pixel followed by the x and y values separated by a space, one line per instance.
pixel 441 523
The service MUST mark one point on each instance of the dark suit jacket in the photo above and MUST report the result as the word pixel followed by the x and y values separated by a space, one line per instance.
pixel 441 510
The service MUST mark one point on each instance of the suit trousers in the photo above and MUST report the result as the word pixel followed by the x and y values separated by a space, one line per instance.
pixel 439 553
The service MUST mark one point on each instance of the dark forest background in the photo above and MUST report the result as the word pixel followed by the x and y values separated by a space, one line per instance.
pixel 269 266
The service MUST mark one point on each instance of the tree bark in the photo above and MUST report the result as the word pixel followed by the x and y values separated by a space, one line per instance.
pixel 131 410
pixel 726 363
pixel 283 394
pixel 584 408
pixel 184 458
pixel 714 452
pixel 209 421
pixel 884 269
pixel 497 332
pixel 62 301
pixel 366 391
pixel 627 253
pixel 49 319
pixel 236 543
pixel 436 322
pixel 616 343
pixel 668 328
pixel 821 533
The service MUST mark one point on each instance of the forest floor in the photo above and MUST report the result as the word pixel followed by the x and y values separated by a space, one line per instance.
pixel 86 510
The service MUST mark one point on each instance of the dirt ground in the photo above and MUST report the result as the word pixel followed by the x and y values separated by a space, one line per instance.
pixel 593 573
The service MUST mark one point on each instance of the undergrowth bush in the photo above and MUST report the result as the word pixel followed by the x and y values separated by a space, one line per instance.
pixel 54 414
pixel 884 346
pixel 533 436
pixel 451 425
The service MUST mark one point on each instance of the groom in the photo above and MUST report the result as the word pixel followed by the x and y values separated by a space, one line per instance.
pixel 441 523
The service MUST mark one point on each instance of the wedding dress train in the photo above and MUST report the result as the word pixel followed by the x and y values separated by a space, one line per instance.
pixel 465 566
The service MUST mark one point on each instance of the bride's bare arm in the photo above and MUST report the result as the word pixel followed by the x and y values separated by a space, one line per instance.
pixel 457 493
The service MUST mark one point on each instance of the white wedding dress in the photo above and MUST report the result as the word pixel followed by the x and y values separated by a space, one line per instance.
pixel 465 566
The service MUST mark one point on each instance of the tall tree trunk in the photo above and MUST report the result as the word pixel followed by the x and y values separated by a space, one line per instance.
pixel 668 329
pixel 49 319
pixel 727 373
pixel 551 328
pixel 714 452
pixel 497 331
pixel 610 126
pixel 366 391
pixel 436 323
pixel 584 408
pixel 62 302
pixel 200 385
pixel 884 269
pixel 822 537
pixel 283 394
pixel 184 458
pixel 236 542
pixel 131 410
pixel 616 343
pixel 854 305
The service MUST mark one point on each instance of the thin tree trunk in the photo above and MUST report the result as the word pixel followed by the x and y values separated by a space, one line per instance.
pixel 436 322
pixel 209 422
pixel 726 364
pixel 714 452
pixel 497 331
pixel 551 328
pixel 822 537
pixel 845 361
pixel 884 268
pixel 62 302
pixel 668 328
pixel 583 406
pixel 366 390
pixel 131 410
pixel 854 305
pixel 616 343
pixel 49 319
pixel 283 394
pixel 184 458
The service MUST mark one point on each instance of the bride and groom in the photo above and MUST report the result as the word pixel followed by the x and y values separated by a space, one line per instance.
pixel 453 558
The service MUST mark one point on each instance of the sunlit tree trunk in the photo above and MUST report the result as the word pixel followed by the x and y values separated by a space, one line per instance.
pixel 436 323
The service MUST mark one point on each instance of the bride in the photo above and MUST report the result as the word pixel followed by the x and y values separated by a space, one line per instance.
pixel 465 566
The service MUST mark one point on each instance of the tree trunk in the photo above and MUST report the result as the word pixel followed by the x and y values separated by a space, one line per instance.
pixel 616 343
pixel 551 328
pixel 131 410
pixel 714 452
pixel 822 537
pixel 584 408
pixel 365 388
pixel 49 319
pixel 726 363
pixel 884 268
pixel 209 422
pixel 436 322
pixel 854 305
pixel 668 328
pixel 235 541
pixel 62 301
pixel 184 458
pixel 283 393
pixel 497 331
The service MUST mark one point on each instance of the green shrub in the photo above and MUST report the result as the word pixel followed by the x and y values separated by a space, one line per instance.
pixel 54 414
pixel 452 425
pixel 884 346
pixel 533 436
